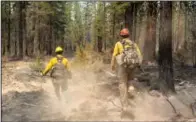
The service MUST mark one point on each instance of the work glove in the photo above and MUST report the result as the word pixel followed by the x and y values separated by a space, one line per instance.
pixel 42 74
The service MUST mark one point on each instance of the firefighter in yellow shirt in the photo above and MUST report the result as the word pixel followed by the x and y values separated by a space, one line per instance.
pixel 60 71
pixel 124 74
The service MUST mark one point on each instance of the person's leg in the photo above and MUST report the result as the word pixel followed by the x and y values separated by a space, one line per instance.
pixel 130 82
pixel 130 75
pixel 64 88
pixel 64 85
pixel 123 80
pixel 56 88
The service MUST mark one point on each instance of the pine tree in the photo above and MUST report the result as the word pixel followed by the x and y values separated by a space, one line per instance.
pixel 165 47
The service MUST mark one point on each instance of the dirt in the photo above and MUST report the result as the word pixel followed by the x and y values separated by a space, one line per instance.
pixel 91 95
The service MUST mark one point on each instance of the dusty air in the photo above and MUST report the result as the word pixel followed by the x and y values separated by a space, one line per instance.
pixel 98 60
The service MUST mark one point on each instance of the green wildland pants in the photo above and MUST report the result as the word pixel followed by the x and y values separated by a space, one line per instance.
pixel 60 85
pixel 124 75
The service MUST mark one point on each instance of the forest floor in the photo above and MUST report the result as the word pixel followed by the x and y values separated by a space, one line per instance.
pixel 93 95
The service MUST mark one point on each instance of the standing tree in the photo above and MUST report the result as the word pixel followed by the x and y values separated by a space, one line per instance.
pixel 99 26
pixel 9 27
pixel 165 47
pixel 150 42
pixel 193 30
pixel 21 6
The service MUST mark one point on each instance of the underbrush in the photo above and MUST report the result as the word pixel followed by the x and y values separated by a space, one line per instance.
pixel 87 58
pixel 37 65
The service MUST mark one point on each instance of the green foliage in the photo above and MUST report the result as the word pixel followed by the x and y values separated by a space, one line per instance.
pixel 99 20
pixel 37 65
pixel 78 22
pixel 86 56
pixel 118 7
pixel 58 19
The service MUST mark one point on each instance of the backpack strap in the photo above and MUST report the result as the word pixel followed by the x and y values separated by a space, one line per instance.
pixel 123 43
pixel 59 59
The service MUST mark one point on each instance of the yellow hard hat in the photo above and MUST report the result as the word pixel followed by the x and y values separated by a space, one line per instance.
pixel 58 49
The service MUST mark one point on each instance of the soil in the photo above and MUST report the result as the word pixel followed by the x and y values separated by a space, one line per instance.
pixel 91 95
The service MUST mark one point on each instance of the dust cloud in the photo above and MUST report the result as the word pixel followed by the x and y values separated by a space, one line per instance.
pixel 92 95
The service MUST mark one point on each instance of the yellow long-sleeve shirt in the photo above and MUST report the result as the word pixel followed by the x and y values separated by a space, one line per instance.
pixel 118 49
pixel 53 61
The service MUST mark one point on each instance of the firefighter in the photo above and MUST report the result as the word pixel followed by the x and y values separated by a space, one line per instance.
pixel 124 72
pixel 60 72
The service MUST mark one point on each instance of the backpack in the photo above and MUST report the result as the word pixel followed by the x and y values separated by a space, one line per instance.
pixel 59 70
pixel 130 56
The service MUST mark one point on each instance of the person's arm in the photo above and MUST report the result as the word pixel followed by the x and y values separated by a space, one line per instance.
pixel 67 66
pixel 115 53
pixel 139 52
pixel 48 67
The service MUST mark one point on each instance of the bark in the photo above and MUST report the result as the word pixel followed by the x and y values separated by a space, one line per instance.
pixel 35 42
pixel 31 45
pixel 157 30
pixel 129 18
pixel 99 42
pixel 150 42
pixel 177 19
pixel 9 29
pixel 165 47
pixel 134 21
pixel 114 24
pixel 194 48
pixel 62 42
pixel 194 55
pixel 104 34
pixel 20 24
pixel 36 51
pixel 25 41
pixel 40 37
pixel 3 47
pixel 49 51
pixel 15 41
pixel 186 26
pixel 53 43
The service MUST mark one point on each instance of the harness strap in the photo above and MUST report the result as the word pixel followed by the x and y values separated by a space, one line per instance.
pixel 59 59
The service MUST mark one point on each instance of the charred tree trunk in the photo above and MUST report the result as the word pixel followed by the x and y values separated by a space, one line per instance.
pixel 104 34
pixel 36 37
pixel 177 19
pixel 62 42
pixel 20 53
pixel 129 18
pixel 186 27
pixel 194 54
pixel 9 29
pixel 40 37
pixel 54 41
pixel 165 47
pixel 99 42
pixel 194 48
pixel 25 41
pixel 36 43
pixel 3 46
pixel 49 51
pixel 150 42
pixel 134 21
pixel 15 40
pixel 114 24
